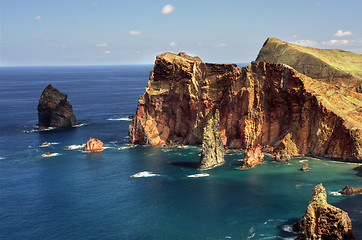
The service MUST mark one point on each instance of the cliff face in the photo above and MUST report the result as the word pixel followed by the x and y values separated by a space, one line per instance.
pixel 266 103
pixel 54 110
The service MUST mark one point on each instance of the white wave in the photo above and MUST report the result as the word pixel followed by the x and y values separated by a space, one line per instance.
pixel 288 228
pixel 75 146
pixel 119 119
pixel 336 194
pixel 1 158
pixel 251 236
pixel 198 175
pixel 302 161
pixel 47 144
pixel 50 154
pixel 79 125
pixel 227 237
pixel 144 174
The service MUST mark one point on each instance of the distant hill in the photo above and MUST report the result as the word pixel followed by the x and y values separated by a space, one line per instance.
pixel 334 66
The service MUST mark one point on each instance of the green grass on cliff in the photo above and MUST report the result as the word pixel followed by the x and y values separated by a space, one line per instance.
pixel 347 62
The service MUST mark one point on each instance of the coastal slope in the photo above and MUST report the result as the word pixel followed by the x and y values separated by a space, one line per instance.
pixel 267 103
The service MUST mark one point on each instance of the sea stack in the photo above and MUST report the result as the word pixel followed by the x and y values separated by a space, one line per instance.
pixel 54 110
pixel 348 190
pixel 253 157
pixel 94 145
pixel 212 147
pixel 322 220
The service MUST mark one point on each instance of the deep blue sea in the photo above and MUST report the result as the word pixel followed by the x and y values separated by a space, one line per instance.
pixel 77 195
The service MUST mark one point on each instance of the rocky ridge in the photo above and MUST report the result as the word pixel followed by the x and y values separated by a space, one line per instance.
pixel 267 103
pixel 54 110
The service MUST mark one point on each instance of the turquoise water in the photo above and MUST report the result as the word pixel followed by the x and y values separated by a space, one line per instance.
pixel 78 195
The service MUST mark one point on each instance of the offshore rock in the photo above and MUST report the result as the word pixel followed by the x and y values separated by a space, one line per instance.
pixel 322 220
pixel 212 147
pixel 266 103
pixel 253 157
pixel 347 190
pixel 305 167
pixel 54 110
pixel 282 156
pixel 93 145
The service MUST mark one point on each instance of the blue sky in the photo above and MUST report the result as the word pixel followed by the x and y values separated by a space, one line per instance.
pixel 98 32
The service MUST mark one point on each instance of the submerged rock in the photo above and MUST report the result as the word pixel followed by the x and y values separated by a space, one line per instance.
pixel 322 220
pixel 212 147
pixel 305 167
pixel 93 145
pixel 347 190
pixel 54 110
pixel 253 157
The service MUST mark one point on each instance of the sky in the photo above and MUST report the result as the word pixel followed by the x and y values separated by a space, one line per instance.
pixel 112 32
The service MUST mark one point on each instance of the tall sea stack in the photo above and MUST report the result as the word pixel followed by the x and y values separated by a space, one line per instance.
pixel 54 110
pixel 212 147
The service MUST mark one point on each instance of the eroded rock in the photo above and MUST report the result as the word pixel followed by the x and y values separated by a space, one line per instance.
pixel 93 145
pixel 347 190
pixel 322 220
pixel 212 147
pixel 253 157
pixel 54 110
pixel 305 167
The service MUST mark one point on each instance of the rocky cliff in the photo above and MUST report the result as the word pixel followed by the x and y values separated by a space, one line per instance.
pixel 54 110
pixel 322 220
pixel 212 147
pixel 267 103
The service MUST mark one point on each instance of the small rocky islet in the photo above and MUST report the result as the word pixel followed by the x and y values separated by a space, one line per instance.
pixel 278 104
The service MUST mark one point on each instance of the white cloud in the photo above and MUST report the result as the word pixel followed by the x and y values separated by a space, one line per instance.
pixel 102 45
pixel 336 42
pixel 172 44
pixel 167 9
pixel 138 52
pixel 63 46
pixel 340 33
pixel 221 45
pixel 307 43
pixel 294 36
pixel 37 18
pixel 134 32
pixel 107 52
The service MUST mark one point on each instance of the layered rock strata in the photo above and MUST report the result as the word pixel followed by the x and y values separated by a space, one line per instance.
pixel 54 110
pixel 322 220
pixel 266 103
pixel 93 145
pixel 212 147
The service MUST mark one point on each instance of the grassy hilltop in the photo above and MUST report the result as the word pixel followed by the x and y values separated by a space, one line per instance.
pixel 332 66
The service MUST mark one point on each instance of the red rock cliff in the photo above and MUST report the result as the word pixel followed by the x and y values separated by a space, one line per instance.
pixel 266 103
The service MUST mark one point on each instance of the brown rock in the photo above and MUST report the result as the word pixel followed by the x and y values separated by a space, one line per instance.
pixel 305 167
pixel 322 220
pixel 93 145
pixel 212 147
pixel 266 103
pixel 253 157
pixel 282 156
pixel 54 110
pixel 347 190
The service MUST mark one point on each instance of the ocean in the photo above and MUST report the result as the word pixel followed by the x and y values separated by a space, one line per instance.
pixel 77 195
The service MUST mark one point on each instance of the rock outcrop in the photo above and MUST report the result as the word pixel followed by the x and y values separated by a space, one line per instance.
pixel 282 156
pixel 266 103
pixel 348 190
pixel 93 145
pixel 305 167
pixel 212 147
pixel 54 110
pixel 253 157
pixel 322 220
